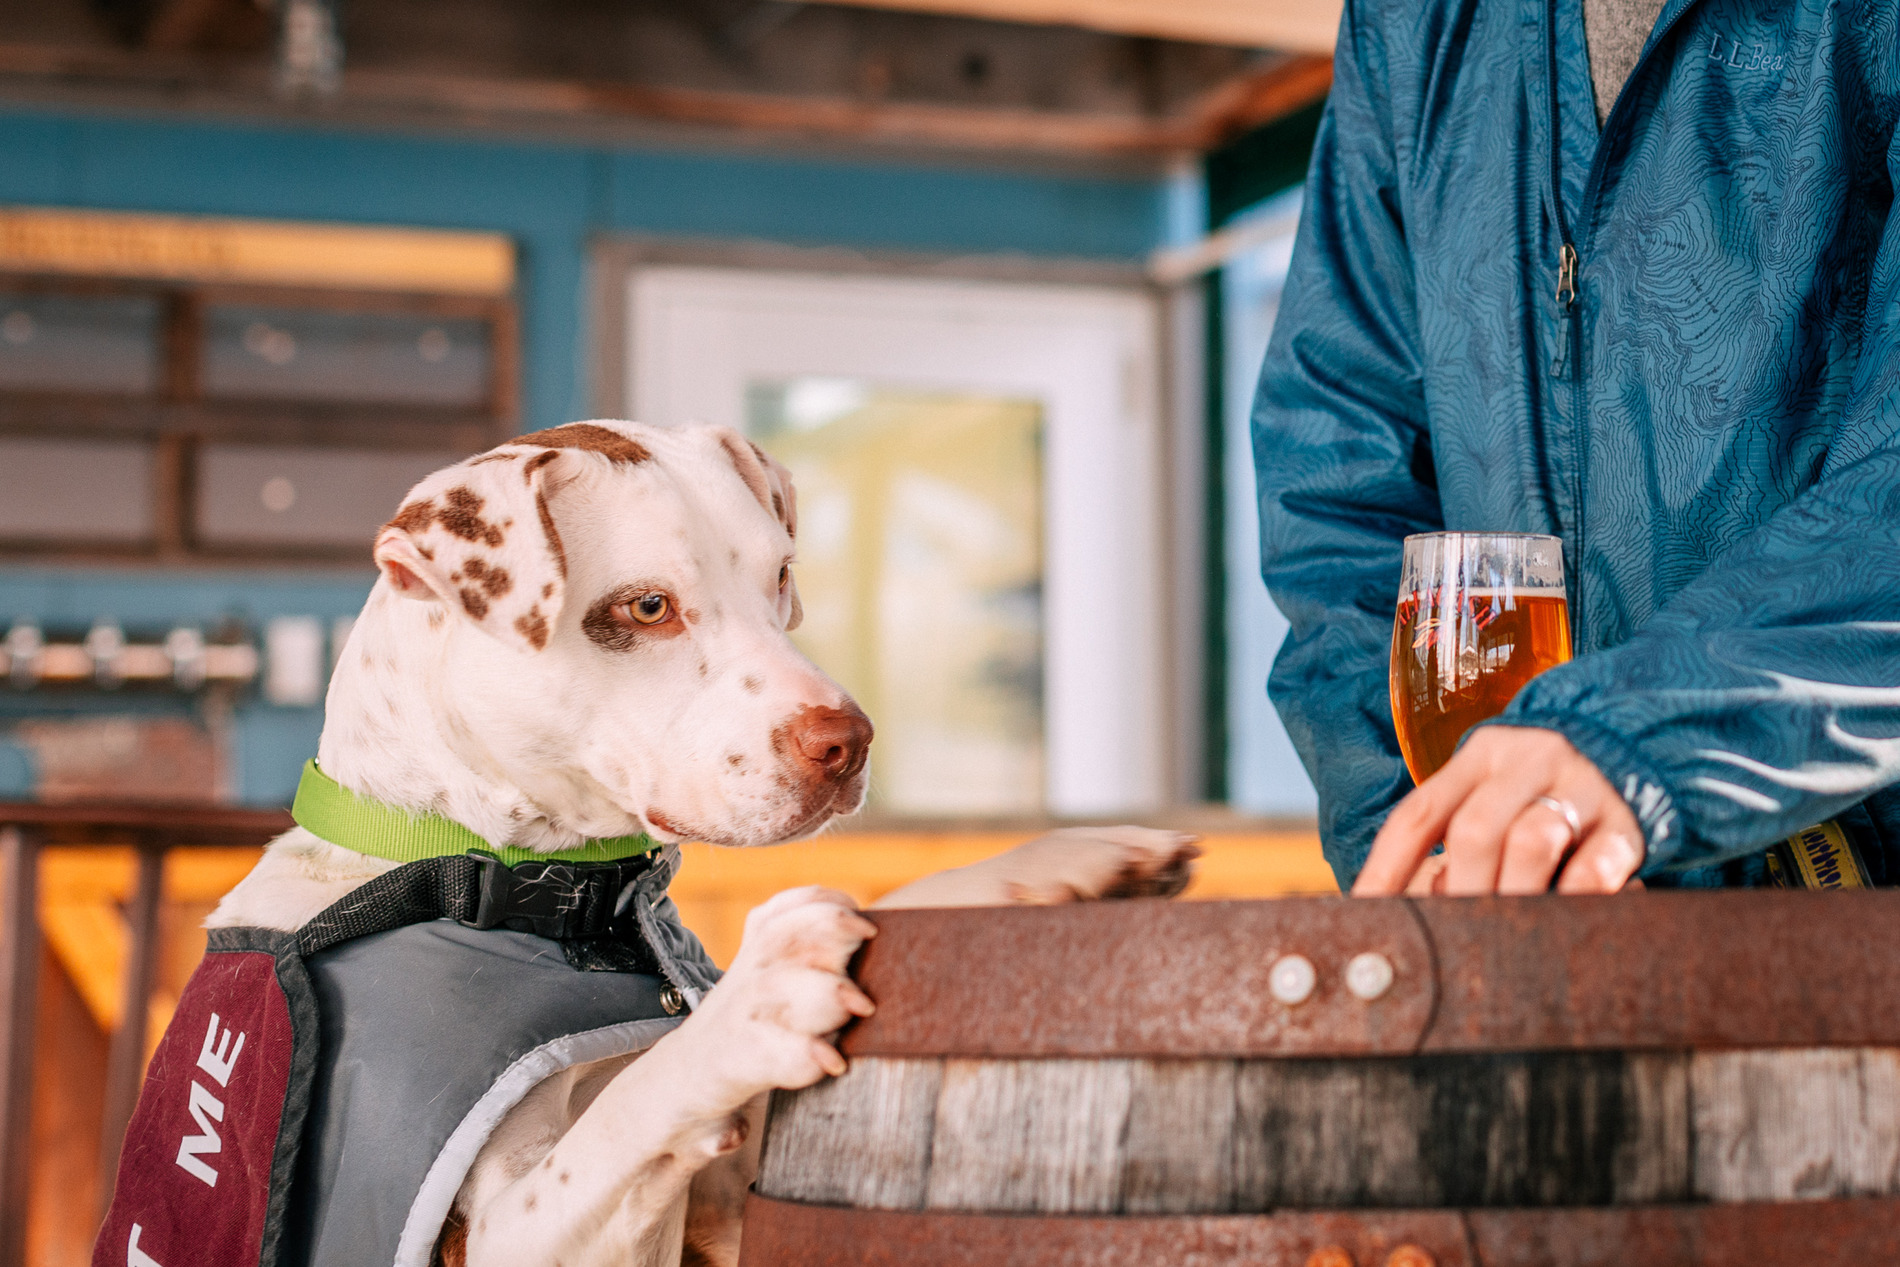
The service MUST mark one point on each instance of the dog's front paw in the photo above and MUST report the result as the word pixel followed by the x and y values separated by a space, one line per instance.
pixel 1083 864
pixel 768 1022
pixel 1073 864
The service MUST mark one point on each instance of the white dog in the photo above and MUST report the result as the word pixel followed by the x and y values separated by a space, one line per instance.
pixel 581 634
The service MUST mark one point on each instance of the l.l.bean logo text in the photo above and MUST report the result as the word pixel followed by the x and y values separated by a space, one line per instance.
pixel 217 1059
pixel 1739 55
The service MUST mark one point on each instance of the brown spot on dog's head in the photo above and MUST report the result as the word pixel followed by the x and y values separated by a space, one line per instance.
pixel 547 591
pixel 533 626
pixel 474 602
pixel 536 462
pixel 495 580
pixel 463 516
pixel 553 535
pixel 415 517
pixel 735 759
pixel 752 684
pixel 608 443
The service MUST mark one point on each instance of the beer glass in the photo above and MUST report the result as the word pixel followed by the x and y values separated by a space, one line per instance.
pixel 1480 614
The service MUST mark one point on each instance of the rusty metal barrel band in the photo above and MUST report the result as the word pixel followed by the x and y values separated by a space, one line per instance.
pixel 1760 1234
pixel 1644 971
pixel 1144 978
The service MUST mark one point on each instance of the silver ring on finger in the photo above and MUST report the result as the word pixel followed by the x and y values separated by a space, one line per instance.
pixel 1566 811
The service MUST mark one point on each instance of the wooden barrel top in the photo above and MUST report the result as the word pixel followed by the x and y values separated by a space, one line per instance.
pixel 1658 1078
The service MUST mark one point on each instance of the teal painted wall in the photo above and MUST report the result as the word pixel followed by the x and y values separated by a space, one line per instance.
pixel 551 199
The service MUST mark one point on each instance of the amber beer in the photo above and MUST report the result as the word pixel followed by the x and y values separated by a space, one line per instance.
pixel 1479 615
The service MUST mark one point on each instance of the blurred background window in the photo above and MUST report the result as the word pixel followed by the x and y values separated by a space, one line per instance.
pixel 150 421
pixel 324 354
pixel 979 470
pixel 262 497
pixel 920 556
pixel 87 491
pixel 97 344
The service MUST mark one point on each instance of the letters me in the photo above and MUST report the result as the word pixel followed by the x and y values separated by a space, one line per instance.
pixel 218 1058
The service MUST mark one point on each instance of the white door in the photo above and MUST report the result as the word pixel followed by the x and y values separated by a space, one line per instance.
pixel 979 481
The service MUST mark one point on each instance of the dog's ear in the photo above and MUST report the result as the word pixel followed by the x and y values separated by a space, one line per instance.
pixel 772 485
pixel 478 538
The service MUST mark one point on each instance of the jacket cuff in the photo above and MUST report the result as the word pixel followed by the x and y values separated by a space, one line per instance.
pixel 1637 781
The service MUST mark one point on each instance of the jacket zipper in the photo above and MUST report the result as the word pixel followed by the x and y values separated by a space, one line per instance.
pixel 1569 261
pixel 1566 303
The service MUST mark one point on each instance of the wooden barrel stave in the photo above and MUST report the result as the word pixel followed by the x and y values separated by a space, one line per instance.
pixel 1111 1136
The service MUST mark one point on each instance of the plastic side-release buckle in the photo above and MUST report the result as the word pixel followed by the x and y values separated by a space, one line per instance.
pixel 550 899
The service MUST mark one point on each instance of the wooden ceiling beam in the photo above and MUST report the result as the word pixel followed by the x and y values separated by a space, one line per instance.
pixel 222 25
pixel 1294 26
pixel 530 103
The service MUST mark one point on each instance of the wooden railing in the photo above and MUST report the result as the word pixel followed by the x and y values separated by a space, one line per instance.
pixel 24 830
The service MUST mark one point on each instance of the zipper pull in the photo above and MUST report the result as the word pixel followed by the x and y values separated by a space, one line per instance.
pixel 1566 301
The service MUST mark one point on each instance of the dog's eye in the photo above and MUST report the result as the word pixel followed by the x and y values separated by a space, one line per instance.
pixel 650 609
pixel 784 575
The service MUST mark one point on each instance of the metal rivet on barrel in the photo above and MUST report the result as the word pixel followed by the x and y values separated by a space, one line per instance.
pixel 671 999
pixel 1330 1256
pixel 1369 975
pixel 1291 979
pixel 1410 1256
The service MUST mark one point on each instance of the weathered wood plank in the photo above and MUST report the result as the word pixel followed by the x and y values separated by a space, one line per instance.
pixel 1556 1128
pixel 1029 1135
pixel 1534 1129
pixel 1177 1154
pixel 1785 1125
pixel 862 1139
pixel 1654 1158
pixel 1320 1133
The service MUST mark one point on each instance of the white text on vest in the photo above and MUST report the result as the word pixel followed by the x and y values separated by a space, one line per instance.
pixel 218 1058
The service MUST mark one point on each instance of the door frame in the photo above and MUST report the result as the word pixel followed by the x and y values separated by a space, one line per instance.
pixel 1182 468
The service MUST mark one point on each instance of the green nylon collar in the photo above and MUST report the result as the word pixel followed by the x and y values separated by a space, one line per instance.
pixel 330 810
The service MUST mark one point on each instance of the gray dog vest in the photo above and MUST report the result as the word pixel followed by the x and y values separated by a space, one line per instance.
pixel 320 1096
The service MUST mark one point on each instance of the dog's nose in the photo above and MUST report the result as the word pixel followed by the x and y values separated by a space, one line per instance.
pixel 833 739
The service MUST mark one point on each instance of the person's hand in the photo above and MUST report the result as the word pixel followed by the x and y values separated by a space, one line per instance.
pixel 1515 807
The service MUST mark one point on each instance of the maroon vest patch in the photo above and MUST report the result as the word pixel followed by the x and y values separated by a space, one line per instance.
pixel 219 1115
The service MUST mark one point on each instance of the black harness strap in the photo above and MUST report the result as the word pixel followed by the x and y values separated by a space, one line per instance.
pixel 568 902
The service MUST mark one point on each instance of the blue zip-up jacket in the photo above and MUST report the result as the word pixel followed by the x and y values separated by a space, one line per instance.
pixel 1712 427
